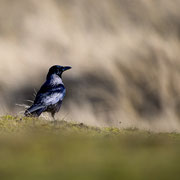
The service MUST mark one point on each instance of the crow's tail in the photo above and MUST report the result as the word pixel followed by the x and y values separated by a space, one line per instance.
pixel 35 110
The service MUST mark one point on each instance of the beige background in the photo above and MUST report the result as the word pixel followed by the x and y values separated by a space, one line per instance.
pixel 124 54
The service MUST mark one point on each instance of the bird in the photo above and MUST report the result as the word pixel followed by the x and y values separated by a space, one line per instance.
pixel 51 94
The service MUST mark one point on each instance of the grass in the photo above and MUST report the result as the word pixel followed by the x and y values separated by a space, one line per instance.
pixel 40 149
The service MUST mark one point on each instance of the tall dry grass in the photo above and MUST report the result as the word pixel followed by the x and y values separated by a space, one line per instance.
pixel 124 54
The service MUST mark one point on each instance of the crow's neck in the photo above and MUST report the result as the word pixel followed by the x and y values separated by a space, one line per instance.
pixel 55 80
pixel 52 73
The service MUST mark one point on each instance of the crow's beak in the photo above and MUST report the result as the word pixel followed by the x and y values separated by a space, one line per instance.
pixel 65 68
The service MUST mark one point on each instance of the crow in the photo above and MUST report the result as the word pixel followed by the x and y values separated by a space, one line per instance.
pixel 50 96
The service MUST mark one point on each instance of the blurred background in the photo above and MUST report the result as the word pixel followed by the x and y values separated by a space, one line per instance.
pixel 124 54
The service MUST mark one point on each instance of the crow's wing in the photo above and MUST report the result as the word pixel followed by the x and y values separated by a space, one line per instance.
pixel 50 95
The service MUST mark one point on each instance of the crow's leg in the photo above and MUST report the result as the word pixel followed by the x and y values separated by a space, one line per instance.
pixel 53 116
pixel 55 110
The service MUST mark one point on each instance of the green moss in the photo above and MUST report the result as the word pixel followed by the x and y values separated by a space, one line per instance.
pixel 33 148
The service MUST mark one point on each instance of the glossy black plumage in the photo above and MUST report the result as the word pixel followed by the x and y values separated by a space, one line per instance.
pixel 50 96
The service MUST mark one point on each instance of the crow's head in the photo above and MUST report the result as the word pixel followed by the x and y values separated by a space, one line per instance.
pixel 57 70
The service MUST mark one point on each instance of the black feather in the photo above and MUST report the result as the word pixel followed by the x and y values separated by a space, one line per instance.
pixel 51 94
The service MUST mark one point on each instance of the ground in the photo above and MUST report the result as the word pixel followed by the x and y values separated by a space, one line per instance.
pixel 40 149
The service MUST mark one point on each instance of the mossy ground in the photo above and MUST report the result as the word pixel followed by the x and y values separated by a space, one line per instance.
pixel 41 149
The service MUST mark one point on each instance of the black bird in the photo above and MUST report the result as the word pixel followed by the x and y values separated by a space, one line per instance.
pixel 50 96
